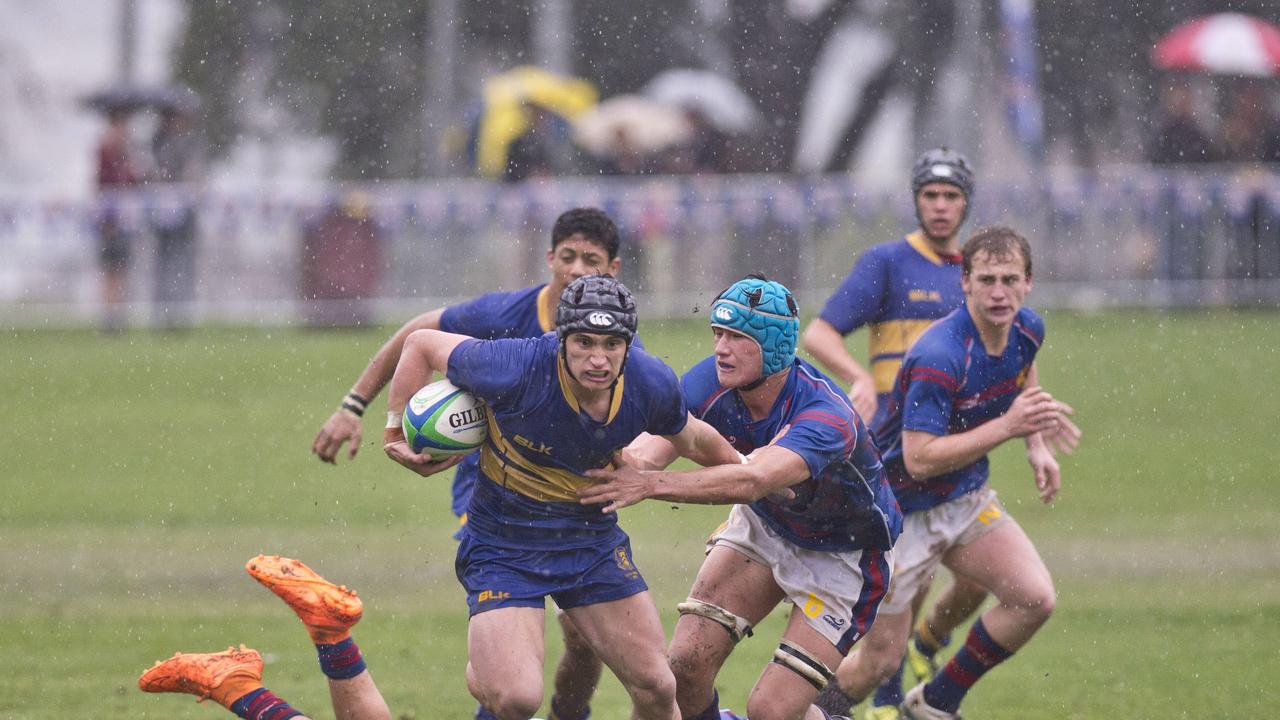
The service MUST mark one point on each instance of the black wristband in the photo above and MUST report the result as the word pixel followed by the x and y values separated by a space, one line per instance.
pixel 353 408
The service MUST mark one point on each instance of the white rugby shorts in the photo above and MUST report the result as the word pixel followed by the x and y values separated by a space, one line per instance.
pixel 823 584
pixel 928 535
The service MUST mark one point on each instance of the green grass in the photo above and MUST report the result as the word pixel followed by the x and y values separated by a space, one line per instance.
pixel 139 472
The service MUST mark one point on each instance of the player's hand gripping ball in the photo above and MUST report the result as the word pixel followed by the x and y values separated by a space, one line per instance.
pixel 442 419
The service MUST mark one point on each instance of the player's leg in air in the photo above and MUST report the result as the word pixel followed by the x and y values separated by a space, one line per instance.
pixel 233 678
pixel 958 601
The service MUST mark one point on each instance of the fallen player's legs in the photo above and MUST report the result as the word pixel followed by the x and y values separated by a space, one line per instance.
pixel 328 611
pixel 234 678
pixel 627 636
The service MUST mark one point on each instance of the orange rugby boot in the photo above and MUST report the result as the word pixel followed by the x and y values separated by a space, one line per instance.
pixel 326 609
pixel 224 676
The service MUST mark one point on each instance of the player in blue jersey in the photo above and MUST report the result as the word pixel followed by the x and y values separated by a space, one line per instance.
pixel 814 519
pixel 559 405
pixel 966 386
pixel 583 241
pixel 898 289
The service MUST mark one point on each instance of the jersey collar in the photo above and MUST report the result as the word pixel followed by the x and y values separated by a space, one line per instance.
pixel 546 313
pixel 615 401
pixel 921 244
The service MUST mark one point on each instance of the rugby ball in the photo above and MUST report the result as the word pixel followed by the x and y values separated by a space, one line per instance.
pixel 442 419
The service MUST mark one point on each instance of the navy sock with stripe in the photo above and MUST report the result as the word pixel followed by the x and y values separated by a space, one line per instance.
pixel 262 704
pixel 341 661
pixel 979 654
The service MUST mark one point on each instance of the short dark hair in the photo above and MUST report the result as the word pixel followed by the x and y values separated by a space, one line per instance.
pixel 591 223
pixel 999 242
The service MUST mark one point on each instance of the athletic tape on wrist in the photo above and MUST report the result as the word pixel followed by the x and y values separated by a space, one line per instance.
pixel 393 419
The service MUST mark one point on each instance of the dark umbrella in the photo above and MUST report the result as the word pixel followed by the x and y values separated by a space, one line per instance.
pixel 134 98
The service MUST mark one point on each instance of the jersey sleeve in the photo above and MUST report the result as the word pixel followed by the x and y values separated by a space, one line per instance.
pixel 669 412
pixel 932 381
pixel 820 436
pixel 492 370
pixel 481 317
pixel 860 296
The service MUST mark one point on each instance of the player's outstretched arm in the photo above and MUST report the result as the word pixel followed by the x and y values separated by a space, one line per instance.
pixel 649 452
pixel 425 351
pixel 826 345
pixel 768 470
pixel 344 425
pixel 702 444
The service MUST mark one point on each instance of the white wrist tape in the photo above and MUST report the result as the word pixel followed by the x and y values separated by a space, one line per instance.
pixel 393 419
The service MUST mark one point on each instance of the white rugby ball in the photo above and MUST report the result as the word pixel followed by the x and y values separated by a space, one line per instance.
pixel 442 419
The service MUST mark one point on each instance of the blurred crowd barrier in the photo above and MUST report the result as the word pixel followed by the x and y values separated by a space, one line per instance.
pixel 1114 236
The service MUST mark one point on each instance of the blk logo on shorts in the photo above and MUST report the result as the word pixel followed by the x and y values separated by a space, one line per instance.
pixel 489 595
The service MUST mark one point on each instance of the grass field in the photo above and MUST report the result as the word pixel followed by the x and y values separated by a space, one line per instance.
pixel 140 471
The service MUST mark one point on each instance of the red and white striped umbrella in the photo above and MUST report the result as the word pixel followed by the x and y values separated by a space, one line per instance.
pixel 1226 43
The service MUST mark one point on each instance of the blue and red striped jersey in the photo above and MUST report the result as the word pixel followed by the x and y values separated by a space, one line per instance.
pixel 948 384
pixel 846 503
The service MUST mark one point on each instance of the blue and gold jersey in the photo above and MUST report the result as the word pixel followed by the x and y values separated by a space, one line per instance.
pixel 491 316
pixel 948 384
pixel 494 315
pixel 846 504
pixel 898 289
pixel 541 443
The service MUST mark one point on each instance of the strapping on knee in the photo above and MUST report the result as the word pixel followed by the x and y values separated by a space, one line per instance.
pixel 737 627
pixel 799 661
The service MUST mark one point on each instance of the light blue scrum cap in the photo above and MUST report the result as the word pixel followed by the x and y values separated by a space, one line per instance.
pixel 764 311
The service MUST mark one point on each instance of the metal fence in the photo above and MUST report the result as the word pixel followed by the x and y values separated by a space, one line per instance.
pixel 1124 235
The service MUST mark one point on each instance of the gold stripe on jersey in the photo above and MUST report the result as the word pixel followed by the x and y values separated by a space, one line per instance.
pixel 546 313
pixel 921 244
pixel 615 400
pixel 513 471
pixel 891 338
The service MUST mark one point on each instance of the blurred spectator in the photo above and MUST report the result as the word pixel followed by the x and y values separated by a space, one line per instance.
pixel 341 264
pixel 118 171
pixel 541 150
pixel 1180 137
pixel 708 147
pixel 625 158
pixel 1249 130
pixel 178 152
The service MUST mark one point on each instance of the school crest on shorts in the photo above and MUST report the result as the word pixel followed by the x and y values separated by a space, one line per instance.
pixel 623 561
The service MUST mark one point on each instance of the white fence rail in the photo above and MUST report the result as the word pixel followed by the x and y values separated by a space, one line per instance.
pixel 1130 235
